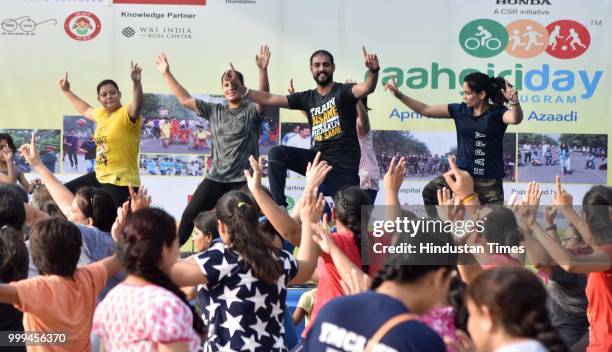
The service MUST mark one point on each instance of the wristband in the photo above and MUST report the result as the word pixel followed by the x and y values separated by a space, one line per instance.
pixel 468 198
pixel 513 102
pixel 376 70
pixel 552 227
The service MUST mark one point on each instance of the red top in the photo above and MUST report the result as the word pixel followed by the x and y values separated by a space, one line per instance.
pixel 599 310
pixel 329 279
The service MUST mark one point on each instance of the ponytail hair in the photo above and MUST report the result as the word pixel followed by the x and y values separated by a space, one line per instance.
pixel 492 86
pixel 517 301
pixel 238 212
pixel 348 205
pixel 139 250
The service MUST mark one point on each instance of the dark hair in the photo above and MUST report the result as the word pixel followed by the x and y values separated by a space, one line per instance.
pixel 500 226
pixel 206 222
pixel 348 205
pixel 478 82
pixel 98 205
pixel 456 298
pixel 240 76
pixel 106 82
pixel 322 52
pixel 9 141
pixel 55 246
pixel 517 301
pixel 12 209
pixel 596 204
pixel 237 211
pixel 139 249
pixel 409 268
pixel 14 257
pixel 53 210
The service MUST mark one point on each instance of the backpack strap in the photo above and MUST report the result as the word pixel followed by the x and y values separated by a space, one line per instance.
pixel 385 328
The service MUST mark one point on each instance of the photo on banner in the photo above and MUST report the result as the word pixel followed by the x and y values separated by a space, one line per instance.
pixel 577 158
pixel 48 142
pixel 78 145
pixel 171 165
pixel 170 128
pixel 427 152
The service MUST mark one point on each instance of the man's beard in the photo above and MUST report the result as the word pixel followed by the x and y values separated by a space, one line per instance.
pixel 324 82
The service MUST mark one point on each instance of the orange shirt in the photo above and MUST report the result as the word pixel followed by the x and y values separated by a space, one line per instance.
pixel 55 304
pixel 599 310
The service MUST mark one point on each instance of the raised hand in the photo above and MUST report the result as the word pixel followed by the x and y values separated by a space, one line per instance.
pixel 391 87
pixel 232 77
pixel 263 58
pixel 136 72
pixel 162 64
pixel 358 282
pixel 371 60
pixel 459 181
pixel 254 179
pixel 321 235
pixel 139 200
pixel 316 171
pixel 529 205
pixel 312 206
pixel 64 84
pixel 30 152
pixel 122 213
pixel 395 175
pixel 549 215
pixel 561 198
pixel 510 93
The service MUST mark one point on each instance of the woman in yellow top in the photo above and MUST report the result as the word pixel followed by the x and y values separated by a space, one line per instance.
pixel 117 137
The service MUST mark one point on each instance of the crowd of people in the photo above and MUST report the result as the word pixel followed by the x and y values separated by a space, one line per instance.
pixel 549 155
pixel 170 165
pixel 109 268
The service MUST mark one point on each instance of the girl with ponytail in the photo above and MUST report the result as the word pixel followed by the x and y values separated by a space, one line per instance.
pixel 148 311
pixel 245 280
pixel 489 106
pixel 507 308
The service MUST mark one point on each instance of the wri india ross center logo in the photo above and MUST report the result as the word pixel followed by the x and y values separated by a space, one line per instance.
pixel 563 39
pixel 82 26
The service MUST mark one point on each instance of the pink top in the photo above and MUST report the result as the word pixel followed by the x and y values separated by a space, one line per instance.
pixel 138 318
pixel 442 321
pixel 368 165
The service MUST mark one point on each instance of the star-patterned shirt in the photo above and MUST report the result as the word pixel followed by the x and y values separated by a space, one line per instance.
pixel 243 312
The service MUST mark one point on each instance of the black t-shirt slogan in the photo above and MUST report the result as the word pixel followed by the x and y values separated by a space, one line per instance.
pixel 332 118
pixel 480 140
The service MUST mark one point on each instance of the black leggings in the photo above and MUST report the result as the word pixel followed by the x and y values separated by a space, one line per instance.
pixel 119 193
pixel 205 198
pixel 72 156
pixel 283 158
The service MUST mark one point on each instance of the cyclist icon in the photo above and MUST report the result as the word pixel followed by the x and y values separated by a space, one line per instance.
pixel 486 40
pixel 25 23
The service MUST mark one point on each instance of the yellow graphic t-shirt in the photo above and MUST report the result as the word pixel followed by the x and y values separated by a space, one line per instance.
pixel 118 142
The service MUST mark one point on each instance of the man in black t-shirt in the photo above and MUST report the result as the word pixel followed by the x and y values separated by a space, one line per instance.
pixel 332 114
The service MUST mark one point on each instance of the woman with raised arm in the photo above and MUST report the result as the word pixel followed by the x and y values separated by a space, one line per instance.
pixel 235 130
pixel 117 137
pixel 595 228
pixel 481 121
